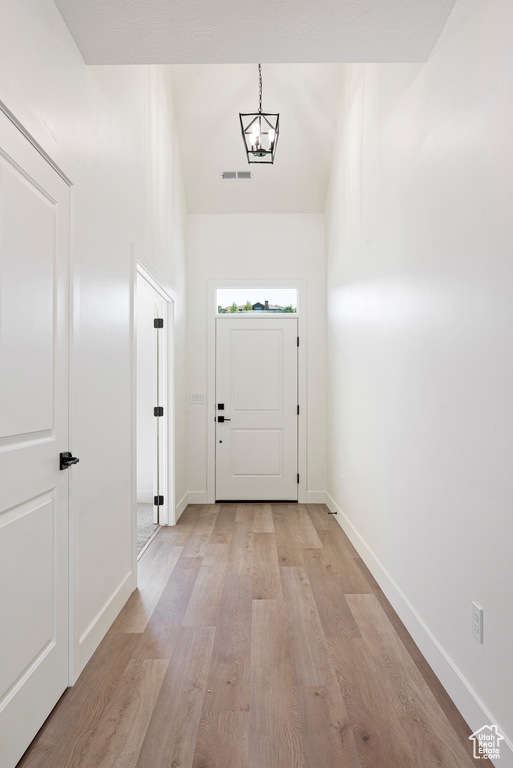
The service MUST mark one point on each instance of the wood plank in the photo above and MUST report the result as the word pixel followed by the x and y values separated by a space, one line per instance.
pixel 152 581
pixel 274 730
pixel 225 519
pixel 320 518
pixel 289 547
pixel 309 656
pixel 242 552
pixel 409 698
pixel 326 732
pixel 171 735
pixel 266 571
pixel 202 531
pixel 230 673
pixel 206 596
pixel 67 732
pixel 245 513
pixel 161 633
pixel 335 553
pixel 222 740
pixel 335 614
pixel 218 549
pixel 118 736
pixel 263 519
pixel 461 728
pixel 378 736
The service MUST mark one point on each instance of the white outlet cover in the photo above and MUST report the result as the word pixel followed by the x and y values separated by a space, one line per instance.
pixel 197 398
pixel 477 622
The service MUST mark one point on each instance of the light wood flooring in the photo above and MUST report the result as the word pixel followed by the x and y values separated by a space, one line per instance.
pixel 257 639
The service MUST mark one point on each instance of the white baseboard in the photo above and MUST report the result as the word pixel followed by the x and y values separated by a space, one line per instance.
pixel 97 629
pixel 145 497
pixel 197 497
pixel 465 698
pixel 315 497
pixel 181 506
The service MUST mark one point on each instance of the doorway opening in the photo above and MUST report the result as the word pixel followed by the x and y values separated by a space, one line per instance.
pixel 153 317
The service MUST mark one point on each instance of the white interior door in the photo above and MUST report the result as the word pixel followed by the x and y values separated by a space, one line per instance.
pixel 256 407
pixel 34 264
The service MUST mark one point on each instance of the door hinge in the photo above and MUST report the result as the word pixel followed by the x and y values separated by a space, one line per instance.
pixel 158 410
pixel 298 341
pixel 298 410
pixel 298 478
pixel 158 501
pixel 158 322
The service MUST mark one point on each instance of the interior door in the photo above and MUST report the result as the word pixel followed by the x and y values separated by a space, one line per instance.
pixel 34 265
pixel 256 407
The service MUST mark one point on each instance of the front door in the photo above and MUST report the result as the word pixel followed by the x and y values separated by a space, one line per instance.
pixel 256 409
pixel 34 274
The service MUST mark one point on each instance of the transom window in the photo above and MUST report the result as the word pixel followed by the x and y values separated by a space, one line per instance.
pixel 256 300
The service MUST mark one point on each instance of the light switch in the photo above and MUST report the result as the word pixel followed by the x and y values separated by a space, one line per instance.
pixel 197 398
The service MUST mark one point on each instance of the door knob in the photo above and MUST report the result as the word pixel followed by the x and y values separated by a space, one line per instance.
pixel 66 460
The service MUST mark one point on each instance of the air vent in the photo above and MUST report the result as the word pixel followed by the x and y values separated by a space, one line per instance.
pixel 236 175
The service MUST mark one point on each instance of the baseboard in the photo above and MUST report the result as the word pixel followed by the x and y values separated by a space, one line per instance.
pixel 145 497
pixel 315 497
pixel 97 629
pixel 181 506
pixel 197 497
pixel 465 698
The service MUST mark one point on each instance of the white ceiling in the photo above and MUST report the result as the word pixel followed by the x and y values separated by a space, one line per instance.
pixel 214 46
pixel 208 99
pixel 248 31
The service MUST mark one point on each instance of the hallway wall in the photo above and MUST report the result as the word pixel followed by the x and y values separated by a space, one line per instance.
pixel 111 130
pixel 420 332
pixel 261 247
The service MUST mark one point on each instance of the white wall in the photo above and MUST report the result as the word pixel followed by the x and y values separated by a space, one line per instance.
pixel 260 247
pixel 111 129
pixel 420 333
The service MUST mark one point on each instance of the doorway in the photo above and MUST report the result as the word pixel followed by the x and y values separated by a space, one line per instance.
pixel 34 439
pixel 257 408
pixel 152 356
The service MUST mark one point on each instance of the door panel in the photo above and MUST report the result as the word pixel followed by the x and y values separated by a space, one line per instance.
pixel 34 269
pixel 256 381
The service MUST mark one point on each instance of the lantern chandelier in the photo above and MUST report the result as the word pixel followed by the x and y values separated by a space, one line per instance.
pixel 260 131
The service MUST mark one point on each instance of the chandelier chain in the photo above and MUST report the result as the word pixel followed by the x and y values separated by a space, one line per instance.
pixel 260 86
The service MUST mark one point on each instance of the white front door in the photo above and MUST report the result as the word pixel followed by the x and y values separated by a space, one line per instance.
pixel 256 409
pixel 34 274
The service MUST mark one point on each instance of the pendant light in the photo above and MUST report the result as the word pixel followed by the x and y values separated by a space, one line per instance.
pixel 260 131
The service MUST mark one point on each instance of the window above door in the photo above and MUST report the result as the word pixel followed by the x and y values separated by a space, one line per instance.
pixel 256 301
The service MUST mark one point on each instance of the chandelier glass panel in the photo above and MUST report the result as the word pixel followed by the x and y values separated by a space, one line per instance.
pixel 260 131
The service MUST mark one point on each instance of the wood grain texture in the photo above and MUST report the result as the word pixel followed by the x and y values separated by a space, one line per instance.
pixel 410 701
pixel 263 519
pixel 171 735
pixel 274 730
pixel 266 571
pixel 326 733
pixel 262 642
pixel 223 740
pixel 307 648
pixel 230 674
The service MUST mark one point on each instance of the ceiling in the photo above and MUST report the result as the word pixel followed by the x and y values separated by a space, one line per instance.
pixel 248 31
pixel 213 47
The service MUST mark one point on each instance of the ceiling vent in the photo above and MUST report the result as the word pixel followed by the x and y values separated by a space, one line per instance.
pixel 236 175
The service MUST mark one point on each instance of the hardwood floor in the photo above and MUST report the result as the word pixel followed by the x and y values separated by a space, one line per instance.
pixel 257 639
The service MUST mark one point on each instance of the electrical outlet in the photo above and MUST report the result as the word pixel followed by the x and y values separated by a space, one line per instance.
pixel 477 622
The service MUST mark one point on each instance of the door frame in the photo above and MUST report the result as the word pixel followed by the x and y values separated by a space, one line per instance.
pixel 168 399
pixel 213 286
pixel 72 333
